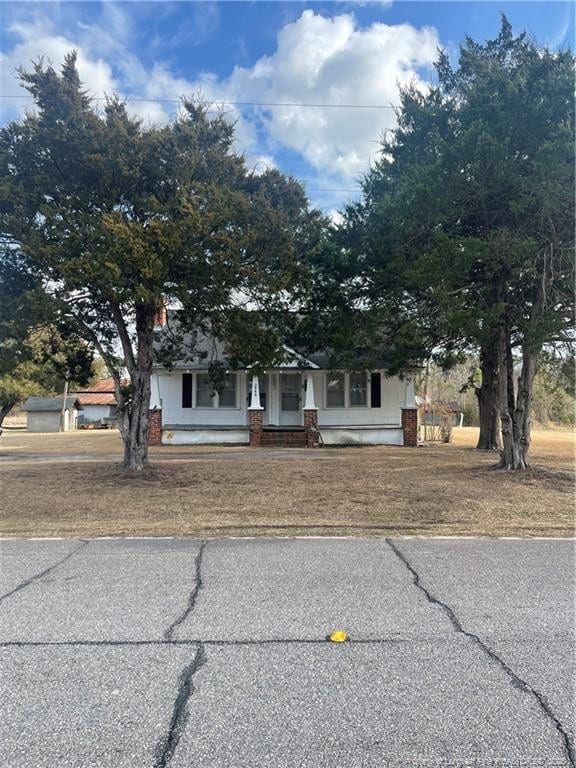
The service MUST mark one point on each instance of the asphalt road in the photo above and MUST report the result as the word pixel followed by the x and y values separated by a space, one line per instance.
pixel 163 652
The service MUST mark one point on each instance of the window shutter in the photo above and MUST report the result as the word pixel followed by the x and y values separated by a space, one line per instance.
pixel 375 390
pixel 186 390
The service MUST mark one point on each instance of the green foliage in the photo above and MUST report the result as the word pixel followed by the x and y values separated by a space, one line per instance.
pixel 46 360
pixel 128 217
pixel 15 387
pixel 114 219
pixel 38 350
pixel 469 210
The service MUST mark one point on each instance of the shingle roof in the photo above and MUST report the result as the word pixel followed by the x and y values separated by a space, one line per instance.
pixel 203 349
pixel 50 403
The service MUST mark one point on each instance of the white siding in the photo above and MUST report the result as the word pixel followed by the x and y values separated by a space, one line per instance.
pixel 167 394
pixel 393 391
pixel 90 413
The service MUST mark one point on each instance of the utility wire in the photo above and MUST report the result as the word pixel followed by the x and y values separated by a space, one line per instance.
pixel 217 102
pixel 245 104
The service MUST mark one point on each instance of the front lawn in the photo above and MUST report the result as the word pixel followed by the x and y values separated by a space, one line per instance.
pixel 72 485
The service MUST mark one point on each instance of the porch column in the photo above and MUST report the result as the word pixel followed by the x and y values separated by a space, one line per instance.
pixel 410 416
pixel 255 414
pixel 310 414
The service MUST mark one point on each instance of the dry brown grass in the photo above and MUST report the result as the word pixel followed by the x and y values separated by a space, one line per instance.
pixel 72 485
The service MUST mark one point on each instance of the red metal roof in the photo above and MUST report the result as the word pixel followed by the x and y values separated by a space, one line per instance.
pixel 96 398
pixel 99 393
pixel 104 385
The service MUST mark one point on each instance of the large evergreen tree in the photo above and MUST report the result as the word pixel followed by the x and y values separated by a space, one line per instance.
pixel 464 237
pixel 118 220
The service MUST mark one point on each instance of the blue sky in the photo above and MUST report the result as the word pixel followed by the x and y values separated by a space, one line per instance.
pixel 274 52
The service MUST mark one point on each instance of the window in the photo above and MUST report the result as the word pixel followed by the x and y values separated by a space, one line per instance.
pixel 335 390
pixel 227 396
pixel 358 390
pixel 207 397
pixel 204 391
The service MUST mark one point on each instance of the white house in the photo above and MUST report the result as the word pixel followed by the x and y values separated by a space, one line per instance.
pixel 301 402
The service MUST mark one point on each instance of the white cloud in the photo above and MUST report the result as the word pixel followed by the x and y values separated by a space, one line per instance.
pixel 318 60
pixel 322 60
pixel 335 217
pixel 262 163
pixel 37 40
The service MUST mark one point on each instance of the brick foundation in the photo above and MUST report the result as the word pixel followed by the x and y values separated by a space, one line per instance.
pixel 410 426
pixel 155 427
pixel 283 438
pixel 311 427
pixel 255 427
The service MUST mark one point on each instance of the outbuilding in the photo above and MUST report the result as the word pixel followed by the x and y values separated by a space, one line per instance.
pixel 44 414
pixel 98 402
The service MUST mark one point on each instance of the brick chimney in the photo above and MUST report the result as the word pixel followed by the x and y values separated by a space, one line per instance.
pixel 161 316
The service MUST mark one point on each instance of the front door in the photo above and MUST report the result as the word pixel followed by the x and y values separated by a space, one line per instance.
pixel 290 399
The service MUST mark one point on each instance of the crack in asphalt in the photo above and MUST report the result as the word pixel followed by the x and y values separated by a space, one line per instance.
pixel 193 594
pixel 516 680
pixel 43 573
pixel 166 747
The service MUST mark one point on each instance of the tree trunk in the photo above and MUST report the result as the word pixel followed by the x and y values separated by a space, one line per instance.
pixel 516 423
pixel 5 409
pixel 487 394
pixel 509 454
pixel 523 411
pixel 135 432
pixel 135 406
pixel 516 410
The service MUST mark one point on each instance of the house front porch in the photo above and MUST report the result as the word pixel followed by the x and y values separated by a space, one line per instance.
pixel 299 407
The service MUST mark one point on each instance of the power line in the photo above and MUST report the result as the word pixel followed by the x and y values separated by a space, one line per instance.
pixel 245 103
pixel 318 189
pixel 217 103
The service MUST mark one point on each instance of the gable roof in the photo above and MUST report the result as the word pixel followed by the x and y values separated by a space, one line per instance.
pixel 50 404
pixel 96 398
pixel 203 349
pixel 104 385
pixel 99 393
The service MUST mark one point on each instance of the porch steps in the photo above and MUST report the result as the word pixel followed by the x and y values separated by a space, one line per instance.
pixel 283 438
